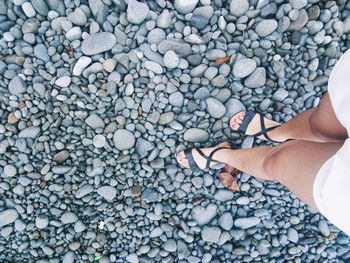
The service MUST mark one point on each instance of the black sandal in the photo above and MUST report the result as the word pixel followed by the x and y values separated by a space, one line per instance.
pixel 248 117
pixel 193 165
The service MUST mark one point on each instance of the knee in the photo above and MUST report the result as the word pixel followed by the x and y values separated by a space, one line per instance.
pixel 271 164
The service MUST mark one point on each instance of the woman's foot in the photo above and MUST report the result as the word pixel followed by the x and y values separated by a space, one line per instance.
pixel 255 126
pixel 198 158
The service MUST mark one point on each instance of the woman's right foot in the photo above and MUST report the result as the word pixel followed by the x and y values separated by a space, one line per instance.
pixel 254 126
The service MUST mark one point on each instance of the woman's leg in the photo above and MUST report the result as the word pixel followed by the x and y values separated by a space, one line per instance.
pixel 318 124
pixel 294 164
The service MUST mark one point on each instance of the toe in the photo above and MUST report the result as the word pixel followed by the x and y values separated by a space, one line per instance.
pixel 181 159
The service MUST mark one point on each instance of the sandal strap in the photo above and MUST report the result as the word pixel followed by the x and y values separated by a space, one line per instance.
pixel 264 130
pixel 249 115
pixel 193 165
pixel 210 157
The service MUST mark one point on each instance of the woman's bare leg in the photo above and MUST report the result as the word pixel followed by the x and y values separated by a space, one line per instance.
pixel 318 124
pixel 294 164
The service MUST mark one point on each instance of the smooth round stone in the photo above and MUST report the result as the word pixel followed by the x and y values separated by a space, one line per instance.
pixel 324 228
pixel 226 221
pixel 243 67
pixel 31 25
pixel 123 139
pixel 176 99
pixel 68 218
pixel 78 17
pixel 9 171
pixel 28 9
pixel 298 4
pixel 99 141
pixel 29 132
pixel 215 108
pixel 154 67
pixel 246 222
pixel 239 7
pixel 266 27
pixel 293 235
pixel 40 51
pixel 155 36
pixel 164 19
pixel 98 43
pixel 40 6
pixel 196 135
pixel 109 65
pixel 68 257
pixel 132 258
pixel 170 245
pixel 41 221
pixel 17 86
pixel 210 233
pixel 8 217
pixel 199 22
pixel 256 79
pixel 137 12
pixel 171 59
pixel 95 121
pixel 81 64
pixel 185 6
pixel 63 82
pixel 204 215
pixel 107 192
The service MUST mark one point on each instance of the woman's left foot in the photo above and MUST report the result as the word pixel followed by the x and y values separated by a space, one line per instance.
pixel 198 159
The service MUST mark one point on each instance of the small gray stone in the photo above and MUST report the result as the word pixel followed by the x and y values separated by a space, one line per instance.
pixel 199 22
pixel 210 233
pixel 266 27
pixel 78 17
pixel 17 86
pixel 204 215
pixel 179 46
pixel 81 64
pixel 214 54
pixel 223 195
pixel 8 217
pixel 155 36
pixel 69 218
pixel 298 4
pixel 149 195
pixel 61 156
pixel 29 132
pixel 40 6
pixel 31 25
pixel 40 51
pixel 94 121
pixel 239 7
pixel 164 19
pixel 196 135
pixel 63 82
pixel 176 99
pixel 215 108
pixel 246 222
pixel 280 94
pixel 98 43
pixel 9 171
pixel 219 81
pixel 99 141
pixel 123 139
pixel 324 228
pixel 107 192
pixel 300 22
pixel 233 106
pixel 132 258
pixel 171 59
pixel 68 257
pixel 293 235
pixel 170 245
pixel 143 147
pixel 137 12
pixel 226 221
pixel 243 67
pixel 41 221
pixel 185 6
pixel 166 118
pixel 256 79
pixel 84 190
pixel 154 67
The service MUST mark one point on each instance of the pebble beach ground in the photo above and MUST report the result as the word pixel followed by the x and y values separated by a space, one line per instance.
pixel 98 96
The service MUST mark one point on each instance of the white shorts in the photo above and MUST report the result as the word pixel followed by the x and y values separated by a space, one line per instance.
pixel 331 188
